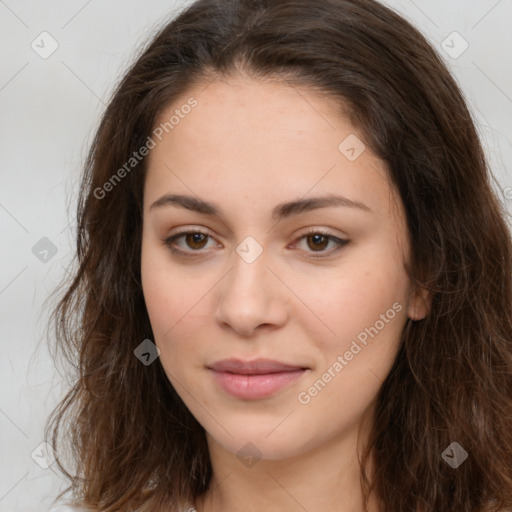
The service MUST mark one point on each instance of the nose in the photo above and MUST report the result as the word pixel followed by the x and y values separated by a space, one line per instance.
pixel 251 297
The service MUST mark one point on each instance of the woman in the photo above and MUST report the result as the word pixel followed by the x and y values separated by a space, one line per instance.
pixel 294 289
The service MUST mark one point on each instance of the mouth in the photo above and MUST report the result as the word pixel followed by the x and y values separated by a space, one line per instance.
pixel 254 367
pixel 257 379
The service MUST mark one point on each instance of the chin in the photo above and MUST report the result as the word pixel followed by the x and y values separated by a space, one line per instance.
pixel 261 442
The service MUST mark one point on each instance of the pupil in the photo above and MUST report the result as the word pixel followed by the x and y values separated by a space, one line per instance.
pixel 196 239
pixel 316 237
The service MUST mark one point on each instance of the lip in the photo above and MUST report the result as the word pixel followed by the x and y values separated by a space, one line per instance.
pixel 256 379
pixel 253 367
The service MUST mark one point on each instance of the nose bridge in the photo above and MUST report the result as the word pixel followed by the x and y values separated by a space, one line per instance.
pixel 248 277
pixel 248 295
pixel 249 266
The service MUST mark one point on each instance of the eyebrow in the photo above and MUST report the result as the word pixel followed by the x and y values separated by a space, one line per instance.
pixel 279 212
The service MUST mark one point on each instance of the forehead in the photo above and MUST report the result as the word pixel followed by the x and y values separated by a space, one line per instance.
pixel 262 142
pixel 240 109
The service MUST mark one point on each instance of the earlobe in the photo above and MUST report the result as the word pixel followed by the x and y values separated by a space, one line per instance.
pixel 419 306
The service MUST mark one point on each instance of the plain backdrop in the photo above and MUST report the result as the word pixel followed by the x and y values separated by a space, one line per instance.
pixel 59 62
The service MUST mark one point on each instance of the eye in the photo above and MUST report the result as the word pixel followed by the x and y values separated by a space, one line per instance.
pixel 316 239
pixel 195 240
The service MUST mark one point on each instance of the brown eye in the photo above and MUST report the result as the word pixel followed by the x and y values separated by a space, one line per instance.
pixel 187 243
pixel 318 241
pixel 195 240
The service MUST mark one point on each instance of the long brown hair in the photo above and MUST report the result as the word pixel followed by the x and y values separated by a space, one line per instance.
pixel 130 439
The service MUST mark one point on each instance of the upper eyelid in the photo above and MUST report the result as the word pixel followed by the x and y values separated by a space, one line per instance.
pixel 308 231
pixel 340 241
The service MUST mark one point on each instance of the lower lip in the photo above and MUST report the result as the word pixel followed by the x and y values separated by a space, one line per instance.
pixel 253 387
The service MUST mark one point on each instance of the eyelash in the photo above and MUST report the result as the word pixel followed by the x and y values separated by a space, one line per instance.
pixel 322 254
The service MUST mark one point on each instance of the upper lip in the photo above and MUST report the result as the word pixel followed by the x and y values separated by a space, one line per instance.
pixel 254 367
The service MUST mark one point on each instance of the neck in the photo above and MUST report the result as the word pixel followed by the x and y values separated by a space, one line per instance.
pixel 325 478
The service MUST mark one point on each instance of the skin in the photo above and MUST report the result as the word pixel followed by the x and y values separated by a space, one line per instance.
pixel 247 146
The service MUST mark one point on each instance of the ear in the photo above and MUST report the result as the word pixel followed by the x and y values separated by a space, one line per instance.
pixel 419 306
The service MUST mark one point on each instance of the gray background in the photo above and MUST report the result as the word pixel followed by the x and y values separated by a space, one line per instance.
pixel 49 108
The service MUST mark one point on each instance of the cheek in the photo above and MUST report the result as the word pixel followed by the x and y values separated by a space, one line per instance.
pixel 366 309
pixel 164 295
pixel 167 290
pixel 160 301
pixel 353 298
pixel 175 301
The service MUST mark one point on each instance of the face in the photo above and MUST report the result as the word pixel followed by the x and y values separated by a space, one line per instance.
pixel 320 287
